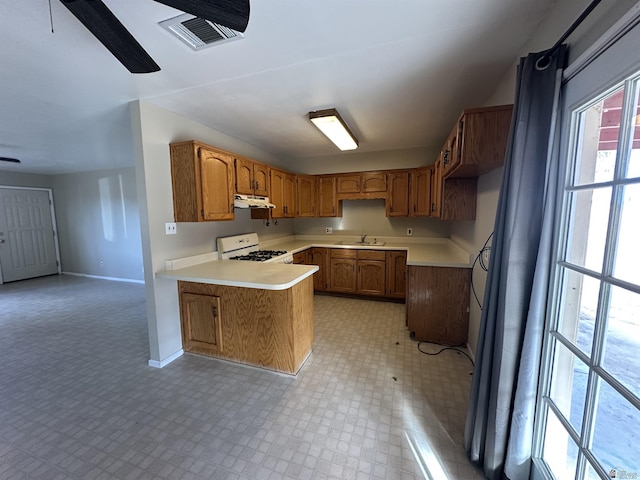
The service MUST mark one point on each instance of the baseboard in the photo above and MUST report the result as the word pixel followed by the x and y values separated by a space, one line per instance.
pixel 472 354
pixel 166 361
pixel 100 277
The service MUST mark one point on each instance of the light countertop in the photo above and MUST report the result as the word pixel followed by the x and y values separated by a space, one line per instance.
pixel 204 268
pixel 233 273
pixel 432 252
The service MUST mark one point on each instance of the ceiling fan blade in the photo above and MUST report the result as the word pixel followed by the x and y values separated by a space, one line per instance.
pixel 106 27
pixel 233 14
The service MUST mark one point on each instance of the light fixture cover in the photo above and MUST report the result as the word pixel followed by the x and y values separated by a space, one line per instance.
pixel 331 124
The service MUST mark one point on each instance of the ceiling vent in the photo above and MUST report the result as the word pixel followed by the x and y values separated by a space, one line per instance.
pixel 199 33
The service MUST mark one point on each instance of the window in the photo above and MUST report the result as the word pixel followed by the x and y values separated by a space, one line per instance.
pixel 588 416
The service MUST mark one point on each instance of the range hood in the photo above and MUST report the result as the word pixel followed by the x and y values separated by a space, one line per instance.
pixel 251 201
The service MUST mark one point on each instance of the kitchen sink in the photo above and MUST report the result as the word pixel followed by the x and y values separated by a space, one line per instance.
pixel 361 244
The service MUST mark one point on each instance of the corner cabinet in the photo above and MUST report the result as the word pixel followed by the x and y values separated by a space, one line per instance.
pixel 202 180
pixel 319 256
pixel 477 143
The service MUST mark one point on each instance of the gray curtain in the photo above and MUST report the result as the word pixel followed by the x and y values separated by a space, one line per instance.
pixel 499 426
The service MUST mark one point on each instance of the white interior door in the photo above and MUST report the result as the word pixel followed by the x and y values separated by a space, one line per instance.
pixel 27 237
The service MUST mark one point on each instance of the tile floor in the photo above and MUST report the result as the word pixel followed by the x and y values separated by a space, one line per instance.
pixel 78 400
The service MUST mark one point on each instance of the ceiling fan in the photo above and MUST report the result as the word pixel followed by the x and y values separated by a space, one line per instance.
pixel 106 27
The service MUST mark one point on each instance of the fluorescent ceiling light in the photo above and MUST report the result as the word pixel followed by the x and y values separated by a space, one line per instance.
pixel 331 124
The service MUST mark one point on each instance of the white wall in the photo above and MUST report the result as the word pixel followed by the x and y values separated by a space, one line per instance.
pixel 558 19
pixel 16 179
pixel 365 161
pixel 98 223
pixel 369 217
pixel 153 130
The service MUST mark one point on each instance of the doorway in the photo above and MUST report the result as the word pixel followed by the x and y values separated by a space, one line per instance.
pixel 28 238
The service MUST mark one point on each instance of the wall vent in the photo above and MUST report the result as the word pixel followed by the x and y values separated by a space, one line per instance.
pixel 199 33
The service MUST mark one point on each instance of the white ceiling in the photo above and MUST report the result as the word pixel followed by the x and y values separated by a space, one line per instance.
pixel 398 71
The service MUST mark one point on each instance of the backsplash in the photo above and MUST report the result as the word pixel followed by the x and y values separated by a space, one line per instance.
pixel 368 217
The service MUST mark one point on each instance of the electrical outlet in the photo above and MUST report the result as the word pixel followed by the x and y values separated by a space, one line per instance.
pixel 170 228
pixel 328 230
pixel 101 264
pixel 485 256
pixel 409 232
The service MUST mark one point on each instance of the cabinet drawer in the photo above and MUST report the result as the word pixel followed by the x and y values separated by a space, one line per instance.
pixel 371 255
pixel 343 253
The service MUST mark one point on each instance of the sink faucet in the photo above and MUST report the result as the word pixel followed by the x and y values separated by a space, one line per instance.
pixel 362 237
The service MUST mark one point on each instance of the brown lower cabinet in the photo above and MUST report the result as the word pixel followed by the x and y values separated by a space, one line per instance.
pixel 272 329
pixel 396 266
pixel 438 304
pixel 371 278
pixel 380 273
pixel 342 276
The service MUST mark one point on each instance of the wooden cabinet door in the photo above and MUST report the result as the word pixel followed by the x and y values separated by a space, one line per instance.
pixel 436 190
pixel 371 277
pixel 300 258
pixel 451 149
pixel 201 324
pixel 306 195
pixel 396 274
pixel 438 304
pixel 348 183
pixel 343 275
pixel 276 178
pixel 327 202
pixel 289 193
pixel 421 191
pixel 398 194
pixel 216 178
pixel 374 182
pixel 318 256
pixel 244 176
pixel 251 178
pixel 261 179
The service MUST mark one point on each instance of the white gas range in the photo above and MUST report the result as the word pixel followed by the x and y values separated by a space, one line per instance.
pixel 247 247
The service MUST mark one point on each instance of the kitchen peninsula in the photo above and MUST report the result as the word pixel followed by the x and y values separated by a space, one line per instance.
pixel 260 315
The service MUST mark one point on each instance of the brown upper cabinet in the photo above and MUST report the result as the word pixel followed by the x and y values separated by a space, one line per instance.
pixel 477 143
pixel 203 182
pixel 361 185
pixel 348 183
pixel 252 178
pixel 283 193
pixel 421 180
pixel 328 205
pixel 398 193
pixel 306 189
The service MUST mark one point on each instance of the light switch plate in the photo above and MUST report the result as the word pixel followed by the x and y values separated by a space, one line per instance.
pixel 409 232
pixel 170 228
